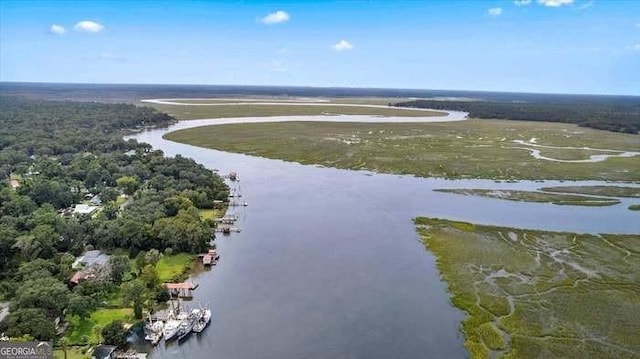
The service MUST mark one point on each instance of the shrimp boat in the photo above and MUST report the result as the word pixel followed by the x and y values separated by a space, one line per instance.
pixel 153 331
pixel 172 325
pixel 186 327
pixel 203 322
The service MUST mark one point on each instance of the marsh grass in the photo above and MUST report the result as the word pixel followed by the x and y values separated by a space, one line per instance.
pixel 553 294
pixel 530 196
pixel 254 110
pixel 611 191
pixel 464 149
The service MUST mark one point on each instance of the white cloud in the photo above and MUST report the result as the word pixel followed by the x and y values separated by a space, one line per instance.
pixel 635 47
pixel 555 3
pixel 495 11
pixel 522 2
pixel 88 26
pixel 57 29
pixel 275 18
pixel 278 66
pixel 343 45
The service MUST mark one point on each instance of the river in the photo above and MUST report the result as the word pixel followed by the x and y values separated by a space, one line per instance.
pixel 328 264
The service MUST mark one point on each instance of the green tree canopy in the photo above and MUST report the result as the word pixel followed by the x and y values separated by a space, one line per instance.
pixel 114 334
pixel 28 321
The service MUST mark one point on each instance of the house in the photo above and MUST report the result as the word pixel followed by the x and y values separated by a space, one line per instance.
pixel 92 265
pixel 91 258
pixel 96 200
pixel 84 209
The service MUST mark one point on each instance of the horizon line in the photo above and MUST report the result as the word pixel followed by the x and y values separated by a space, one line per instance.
pixel 316 87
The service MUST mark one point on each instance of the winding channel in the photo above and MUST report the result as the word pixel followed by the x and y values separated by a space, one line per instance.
pixel 328 264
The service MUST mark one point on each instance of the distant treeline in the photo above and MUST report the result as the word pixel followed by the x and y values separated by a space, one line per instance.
pixel 617 114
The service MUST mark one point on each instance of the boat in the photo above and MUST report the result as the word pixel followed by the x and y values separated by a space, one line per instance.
pixel 187 325
pixel 172 325
pixel 171 328
pixel 203 322
pixel 153 331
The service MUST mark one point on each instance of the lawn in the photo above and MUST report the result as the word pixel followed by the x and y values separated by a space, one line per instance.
pixel 174 266
pixel 72 353
pixel 211 213
pixel 88 330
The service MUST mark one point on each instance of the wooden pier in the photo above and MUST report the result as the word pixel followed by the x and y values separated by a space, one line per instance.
pixel 181 290
pixel 227 219
pixel 210 258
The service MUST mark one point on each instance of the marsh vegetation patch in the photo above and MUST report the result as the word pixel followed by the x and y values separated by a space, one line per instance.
pixel 533 293
pixel 532 196
pixel 464 149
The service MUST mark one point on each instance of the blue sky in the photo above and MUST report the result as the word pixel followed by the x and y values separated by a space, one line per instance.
pixel 558 46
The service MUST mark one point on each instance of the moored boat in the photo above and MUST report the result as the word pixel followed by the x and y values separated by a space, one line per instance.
pixel 186 327
pixel 203 322
pixel 154 331
pixel 171 328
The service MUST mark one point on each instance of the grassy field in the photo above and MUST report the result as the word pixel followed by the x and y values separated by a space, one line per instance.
pixel 540 197
pixel 465 149
pixel 72 353
pixel 211 213
pixel 537 294
pixel 251 110
pixel 88 330
pixel 612 191
pixel 174 266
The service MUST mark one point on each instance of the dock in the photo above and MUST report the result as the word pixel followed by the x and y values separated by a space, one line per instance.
pixel 237 204
pixel 181 290
pixel 233 176
pixel 227 229
pixel 227 219
pixel 210 258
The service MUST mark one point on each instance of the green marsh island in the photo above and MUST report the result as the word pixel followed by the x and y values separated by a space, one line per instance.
pixel 539 294
pixel 475 148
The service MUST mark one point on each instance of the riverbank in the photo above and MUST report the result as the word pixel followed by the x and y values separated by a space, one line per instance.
pixel 539 293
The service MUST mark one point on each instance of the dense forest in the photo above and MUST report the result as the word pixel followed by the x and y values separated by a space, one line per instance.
pixel 617 114
pixel 57 155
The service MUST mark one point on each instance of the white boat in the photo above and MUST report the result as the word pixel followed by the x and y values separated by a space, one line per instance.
pixel 186 327
pixel 154 332
pixel 171 328
pixel 203 322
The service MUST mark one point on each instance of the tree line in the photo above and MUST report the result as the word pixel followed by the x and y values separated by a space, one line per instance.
pixel 616 114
